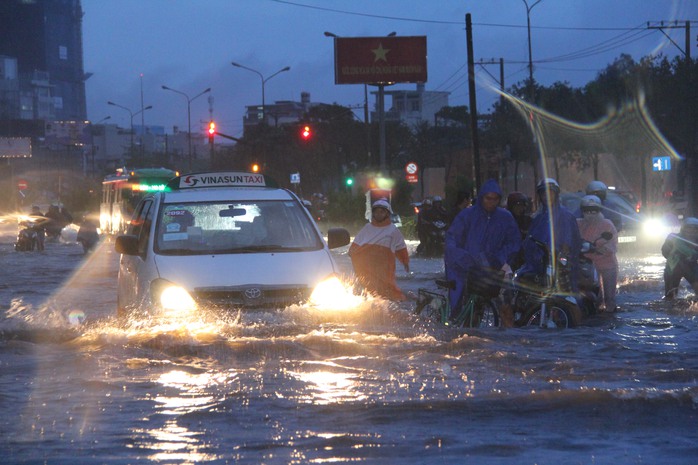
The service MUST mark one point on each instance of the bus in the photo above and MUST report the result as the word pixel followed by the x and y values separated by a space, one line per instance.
pixel 122 191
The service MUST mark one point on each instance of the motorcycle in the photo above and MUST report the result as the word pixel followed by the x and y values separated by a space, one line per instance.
pixel 589 283
pixel 434 238
pixel 546 300
pixel 27 238
pixel 88 236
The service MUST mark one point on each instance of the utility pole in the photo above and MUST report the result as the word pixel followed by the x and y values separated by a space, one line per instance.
pixel 687 181
pixel 473 102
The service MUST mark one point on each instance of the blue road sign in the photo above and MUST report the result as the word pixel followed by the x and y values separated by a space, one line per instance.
pixel 661 163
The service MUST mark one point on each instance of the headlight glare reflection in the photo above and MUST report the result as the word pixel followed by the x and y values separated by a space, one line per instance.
pixel 655 227
pixel 176 298
pixel 333 294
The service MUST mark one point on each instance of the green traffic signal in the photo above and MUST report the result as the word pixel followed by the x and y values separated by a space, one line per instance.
pixel 349 181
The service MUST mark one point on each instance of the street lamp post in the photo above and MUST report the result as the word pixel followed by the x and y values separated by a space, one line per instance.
pixel 530 55
pixel 189 100
pixel 131 114
pixel 264 81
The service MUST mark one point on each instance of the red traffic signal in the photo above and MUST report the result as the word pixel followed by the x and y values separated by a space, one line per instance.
pixel 211 130
pixel 306 133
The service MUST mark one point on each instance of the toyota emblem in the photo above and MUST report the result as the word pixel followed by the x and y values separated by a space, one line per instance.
pixel 253 293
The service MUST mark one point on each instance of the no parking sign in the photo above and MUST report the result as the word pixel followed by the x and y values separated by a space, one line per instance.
pixel 411 171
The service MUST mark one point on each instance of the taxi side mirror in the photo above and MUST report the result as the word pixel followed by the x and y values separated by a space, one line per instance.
pixel 337 237
pixel 126 244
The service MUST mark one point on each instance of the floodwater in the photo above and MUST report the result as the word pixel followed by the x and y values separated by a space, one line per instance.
pixel 372 384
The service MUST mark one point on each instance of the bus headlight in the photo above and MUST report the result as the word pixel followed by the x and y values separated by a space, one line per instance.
pixel 172 297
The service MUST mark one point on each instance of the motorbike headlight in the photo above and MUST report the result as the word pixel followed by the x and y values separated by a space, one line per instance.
pixel 172 297
pixel 333 294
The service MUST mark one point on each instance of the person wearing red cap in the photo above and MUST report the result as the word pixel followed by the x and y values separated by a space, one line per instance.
pixel 374 251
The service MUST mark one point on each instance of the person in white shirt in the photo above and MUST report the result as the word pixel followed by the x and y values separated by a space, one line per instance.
pixel 374 251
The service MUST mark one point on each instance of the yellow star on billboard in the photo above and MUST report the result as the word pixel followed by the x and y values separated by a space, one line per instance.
pixel 380 53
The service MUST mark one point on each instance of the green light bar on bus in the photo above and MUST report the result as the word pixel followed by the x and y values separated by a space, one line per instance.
pixel 148 187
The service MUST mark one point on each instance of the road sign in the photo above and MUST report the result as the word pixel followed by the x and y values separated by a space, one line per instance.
pixel 295 178
pixel 411 172
pixel 661 163
pixel 22 184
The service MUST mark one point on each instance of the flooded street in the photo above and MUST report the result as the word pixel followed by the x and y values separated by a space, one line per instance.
pixel 371 384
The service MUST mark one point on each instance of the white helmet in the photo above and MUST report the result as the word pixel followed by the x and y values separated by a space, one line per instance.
pixel 550 182
pixel 382 203
pixel 590 202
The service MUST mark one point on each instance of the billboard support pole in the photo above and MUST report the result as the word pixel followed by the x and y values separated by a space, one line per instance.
pixel 381 123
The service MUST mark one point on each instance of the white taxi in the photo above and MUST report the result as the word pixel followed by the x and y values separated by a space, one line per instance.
pixel 222 240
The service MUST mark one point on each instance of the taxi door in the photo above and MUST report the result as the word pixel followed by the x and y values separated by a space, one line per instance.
pixel 135 270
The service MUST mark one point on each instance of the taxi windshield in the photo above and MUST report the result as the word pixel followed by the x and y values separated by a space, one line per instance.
pixel 201 228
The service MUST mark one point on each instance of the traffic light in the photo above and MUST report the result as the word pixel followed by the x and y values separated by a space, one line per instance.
pixel 349 181
pixel 255 168
pixel 306 133
pixel 211 131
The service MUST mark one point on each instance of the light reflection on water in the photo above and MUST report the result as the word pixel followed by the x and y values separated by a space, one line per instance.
pixel 327 387
pixel 313 385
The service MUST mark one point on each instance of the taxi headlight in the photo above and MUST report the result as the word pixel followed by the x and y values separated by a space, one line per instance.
pixel 655 227
pixel 172 297
pixel 333 294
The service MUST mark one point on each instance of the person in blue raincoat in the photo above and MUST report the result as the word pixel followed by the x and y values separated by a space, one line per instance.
pixel 483 235
pixel 566 236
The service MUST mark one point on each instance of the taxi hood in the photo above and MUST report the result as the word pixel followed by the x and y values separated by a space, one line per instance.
pixel 283 269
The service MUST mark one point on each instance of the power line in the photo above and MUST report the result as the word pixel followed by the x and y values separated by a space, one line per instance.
pixel 437 21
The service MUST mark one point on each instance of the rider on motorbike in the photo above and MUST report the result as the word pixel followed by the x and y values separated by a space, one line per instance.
pixel 565 239
pixel 38 224
pixel 603 255
pixel 484 236
pixel 681 253
pixel 431 226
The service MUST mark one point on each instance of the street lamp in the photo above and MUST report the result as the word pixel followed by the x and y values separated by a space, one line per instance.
pixel 530 56
pixel 264 81
pixel 189 100
pixel 131 114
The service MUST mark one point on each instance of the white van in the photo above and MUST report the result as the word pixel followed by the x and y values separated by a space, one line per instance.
pixel 228 240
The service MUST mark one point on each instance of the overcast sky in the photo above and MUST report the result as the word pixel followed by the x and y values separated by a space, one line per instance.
pixel 188 45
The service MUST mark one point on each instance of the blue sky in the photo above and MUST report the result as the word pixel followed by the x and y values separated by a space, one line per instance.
pixel 189 45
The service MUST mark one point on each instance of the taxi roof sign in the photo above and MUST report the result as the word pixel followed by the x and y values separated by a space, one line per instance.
pixel 221 179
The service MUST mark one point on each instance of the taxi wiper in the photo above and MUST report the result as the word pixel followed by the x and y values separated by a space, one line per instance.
pixel 179 252
pixel 263 248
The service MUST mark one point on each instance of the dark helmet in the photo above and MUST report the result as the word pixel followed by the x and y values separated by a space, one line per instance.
pixel 690 226
pixel 598 189
pixel 515 198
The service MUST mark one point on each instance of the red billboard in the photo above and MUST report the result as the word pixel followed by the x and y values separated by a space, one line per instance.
pixel 380 60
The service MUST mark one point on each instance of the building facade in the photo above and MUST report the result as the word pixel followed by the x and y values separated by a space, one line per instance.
pixel 44 38
pixel 412 107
